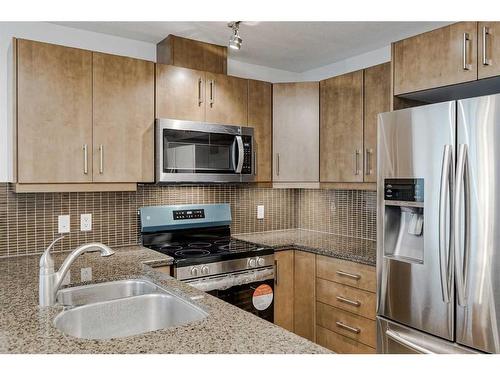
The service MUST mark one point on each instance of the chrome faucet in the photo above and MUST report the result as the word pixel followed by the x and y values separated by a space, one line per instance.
pixel 50 281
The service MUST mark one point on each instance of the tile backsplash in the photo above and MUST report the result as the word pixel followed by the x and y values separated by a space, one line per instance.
pixel 28 222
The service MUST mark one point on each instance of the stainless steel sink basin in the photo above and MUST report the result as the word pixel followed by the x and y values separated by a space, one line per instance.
pixel 122 308
pixel 86 294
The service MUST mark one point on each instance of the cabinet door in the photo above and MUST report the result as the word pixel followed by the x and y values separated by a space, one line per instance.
pixel 180 93
pixel 227 99
pixel 259 118
pixel 283 289
pixel 341 128
pixel 377 99
pixel 304 294
pixel 54 113
pixel 441 57
pixel 489 49
pixel 296 132
pixel 123 96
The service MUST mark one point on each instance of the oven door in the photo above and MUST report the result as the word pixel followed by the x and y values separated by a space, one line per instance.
pixel 199 152
pixel 252 291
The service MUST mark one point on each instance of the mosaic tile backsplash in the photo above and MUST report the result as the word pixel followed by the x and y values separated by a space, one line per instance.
pixel 28 222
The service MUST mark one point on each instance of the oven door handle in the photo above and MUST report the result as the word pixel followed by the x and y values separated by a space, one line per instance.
pixel 239 142
pixel 230 280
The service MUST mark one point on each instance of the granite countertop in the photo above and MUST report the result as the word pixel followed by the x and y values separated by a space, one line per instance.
pixel 27 328
pixel 347 248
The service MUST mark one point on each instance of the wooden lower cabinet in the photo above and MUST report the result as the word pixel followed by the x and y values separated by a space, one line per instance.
pixel 340 344
pixel 304 294
pixel 360 276
pixel 283 289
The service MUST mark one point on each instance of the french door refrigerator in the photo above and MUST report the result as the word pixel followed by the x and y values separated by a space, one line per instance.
pixel 438 230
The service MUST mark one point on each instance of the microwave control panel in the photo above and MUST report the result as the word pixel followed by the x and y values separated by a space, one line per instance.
pixel 189 214
pixel 247 154
pixel 404 189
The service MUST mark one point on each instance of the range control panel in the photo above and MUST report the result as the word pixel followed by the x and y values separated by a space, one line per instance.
pixel 247 155
pixel 189 214
pixel 404 189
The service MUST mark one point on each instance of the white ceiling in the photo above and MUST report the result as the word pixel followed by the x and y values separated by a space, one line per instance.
pixel 291 46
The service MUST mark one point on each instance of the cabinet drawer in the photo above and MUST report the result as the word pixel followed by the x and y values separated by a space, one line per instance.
pixel 348 273
pixel 345 297
pixel 346 324
pixel 340 344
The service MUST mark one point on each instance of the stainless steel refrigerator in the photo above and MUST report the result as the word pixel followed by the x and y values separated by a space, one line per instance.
pixel 438 245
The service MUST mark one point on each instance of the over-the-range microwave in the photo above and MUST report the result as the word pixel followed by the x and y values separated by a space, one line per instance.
pixel 199 152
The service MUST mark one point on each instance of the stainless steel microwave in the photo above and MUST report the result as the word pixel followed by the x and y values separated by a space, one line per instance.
pixel 197 152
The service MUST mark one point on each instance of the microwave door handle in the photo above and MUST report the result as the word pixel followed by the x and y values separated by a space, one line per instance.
pixel 239 142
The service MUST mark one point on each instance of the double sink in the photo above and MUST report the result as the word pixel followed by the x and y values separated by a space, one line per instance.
pixel 122 308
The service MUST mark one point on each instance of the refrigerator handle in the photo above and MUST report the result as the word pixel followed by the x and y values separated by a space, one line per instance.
pixel 445 199
pixel 462 262
pixel 395 336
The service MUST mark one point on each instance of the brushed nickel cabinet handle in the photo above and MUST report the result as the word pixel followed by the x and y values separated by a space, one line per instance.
pixel 347 327
pixel 356 162
pixel 101 159
pixel 486 32
pixel 348 301
pixel 350 275
pixel 200 92
pixel 275 272
pixel 255 163
pixel 212 92
pixel 369 153
pixel 85 160
pixel 277 164
pixel 465 50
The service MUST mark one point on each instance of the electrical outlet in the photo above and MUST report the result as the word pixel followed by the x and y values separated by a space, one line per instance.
pixel 67 279
pixel 85 222
pixel 63 223
pixel 86 274
pixel 260 212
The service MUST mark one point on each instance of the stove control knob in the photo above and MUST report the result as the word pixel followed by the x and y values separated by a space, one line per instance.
pixel 261 261
pixel 204 270
pixel 194 271
pixel 252 262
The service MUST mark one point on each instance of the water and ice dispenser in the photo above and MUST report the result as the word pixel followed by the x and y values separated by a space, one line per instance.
pixel 404 219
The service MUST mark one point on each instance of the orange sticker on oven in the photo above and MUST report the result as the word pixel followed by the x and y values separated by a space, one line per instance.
pixel 262 297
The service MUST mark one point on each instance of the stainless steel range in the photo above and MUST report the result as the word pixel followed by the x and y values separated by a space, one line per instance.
pixel 198 237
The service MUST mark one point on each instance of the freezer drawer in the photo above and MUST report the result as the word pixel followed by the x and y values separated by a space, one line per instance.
pixel 394 338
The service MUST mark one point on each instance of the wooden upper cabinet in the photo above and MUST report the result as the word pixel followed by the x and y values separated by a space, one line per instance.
pixel 304 294
pixel 441 57
pixel 180 93
pixel 296 132
pixel 54 113
pixel 192 54
pixel 123 119
pixel 341 128
pixel 226 99
pixel 260 119
pixel 489 49
pixel 284 289
pixel 377 99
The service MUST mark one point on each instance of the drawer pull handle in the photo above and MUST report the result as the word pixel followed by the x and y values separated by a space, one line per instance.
pixel 349 328
pixel 347 274
pixel 348 301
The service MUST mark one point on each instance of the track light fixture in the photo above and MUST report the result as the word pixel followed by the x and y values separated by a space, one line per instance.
pixel 235 41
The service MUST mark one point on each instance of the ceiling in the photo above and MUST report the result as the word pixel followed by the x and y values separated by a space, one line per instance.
pixel 291 46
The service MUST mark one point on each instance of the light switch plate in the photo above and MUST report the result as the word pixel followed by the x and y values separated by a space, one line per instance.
pixel 260 212
pixel 85 222
pixel 86 274
pixel 63 223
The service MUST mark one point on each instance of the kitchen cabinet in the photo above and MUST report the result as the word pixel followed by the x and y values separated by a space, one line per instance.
pixel 341 128
pixel 123 119
pixel 192 54
pixel 441 57
pixel 376 99
pixel 84 120
pixel 54 113
pixel 304 294
pixel 489 49
pixel 226 99
pixel 284 289
pixel 180 93
pixel 260 113
pixel 296 132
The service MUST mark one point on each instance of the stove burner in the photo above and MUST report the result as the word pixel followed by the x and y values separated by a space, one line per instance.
pixel 222 242
pixel 170 247
pixel 232 245
pixel 191 253
pixel 199 244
